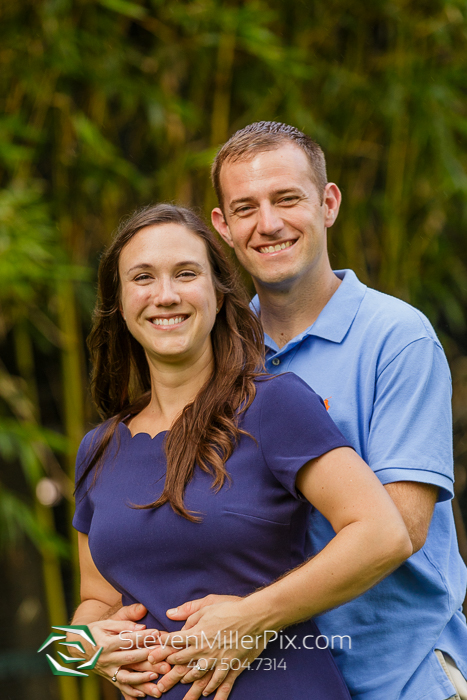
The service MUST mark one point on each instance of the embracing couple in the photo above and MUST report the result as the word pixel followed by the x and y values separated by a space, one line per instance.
pixel 233 540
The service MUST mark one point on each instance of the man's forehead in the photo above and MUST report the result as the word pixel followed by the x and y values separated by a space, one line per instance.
pixel 277 170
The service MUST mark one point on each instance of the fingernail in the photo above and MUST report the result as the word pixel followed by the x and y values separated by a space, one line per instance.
pixel 153 676
pixel 139 627
pixel 172 611
pixel 151 659
pixel 165 668
pixel 156 693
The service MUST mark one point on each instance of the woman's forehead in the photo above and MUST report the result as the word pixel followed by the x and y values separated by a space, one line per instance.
pixel 164 244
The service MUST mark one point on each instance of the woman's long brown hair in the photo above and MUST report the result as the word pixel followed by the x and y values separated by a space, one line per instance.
pixel 206 432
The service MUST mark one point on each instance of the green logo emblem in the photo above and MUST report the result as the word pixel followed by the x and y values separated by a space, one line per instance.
pixel 58 669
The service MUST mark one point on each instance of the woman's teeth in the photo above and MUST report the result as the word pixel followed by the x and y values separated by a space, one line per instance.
pixel 168 321
pixel 275 248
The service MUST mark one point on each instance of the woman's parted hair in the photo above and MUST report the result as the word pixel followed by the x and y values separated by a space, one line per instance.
pixel 207 431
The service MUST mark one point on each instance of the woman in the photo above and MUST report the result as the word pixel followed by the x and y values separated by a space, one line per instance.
pixel 202 477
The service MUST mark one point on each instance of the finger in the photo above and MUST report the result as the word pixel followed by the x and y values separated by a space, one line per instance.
pixel 202 667
pixel 130 612
pixel 184 611
pixel 134 678
pixel 161 667
pixel 159 653
pixel 127 639
pixel 128 692
pixel 126 658
pixel 218 677
pixel 196 690
pixel 192 620
pixel 172 678
pixel 225 688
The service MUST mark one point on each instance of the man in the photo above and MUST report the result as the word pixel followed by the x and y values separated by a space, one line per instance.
pixel 381 370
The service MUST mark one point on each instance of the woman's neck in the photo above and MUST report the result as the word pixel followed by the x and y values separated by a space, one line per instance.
pixel 173 386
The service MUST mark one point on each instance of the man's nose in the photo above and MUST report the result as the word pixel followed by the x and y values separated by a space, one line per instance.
pixel 167 293
pixel 269 222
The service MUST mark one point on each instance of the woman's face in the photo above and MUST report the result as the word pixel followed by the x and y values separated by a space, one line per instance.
pixel 168 298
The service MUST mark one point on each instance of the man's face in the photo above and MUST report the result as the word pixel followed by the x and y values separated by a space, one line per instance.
pixel 274 217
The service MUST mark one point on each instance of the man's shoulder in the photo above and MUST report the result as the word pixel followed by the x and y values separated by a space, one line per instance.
pixel 387 315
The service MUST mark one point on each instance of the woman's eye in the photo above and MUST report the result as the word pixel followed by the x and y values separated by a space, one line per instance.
pixel 142 278
pixel 187 274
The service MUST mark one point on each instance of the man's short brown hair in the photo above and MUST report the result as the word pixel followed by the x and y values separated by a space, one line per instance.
pixel 267 136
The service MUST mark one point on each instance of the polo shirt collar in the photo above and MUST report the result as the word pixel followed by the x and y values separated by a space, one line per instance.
pixel 337 316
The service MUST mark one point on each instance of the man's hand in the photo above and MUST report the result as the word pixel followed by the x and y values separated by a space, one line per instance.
pixel 188 610
pixel 196 644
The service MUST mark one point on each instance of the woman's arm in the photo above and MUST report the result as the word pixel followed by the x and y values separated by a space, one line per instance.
pixel 371 541
pixel 122 641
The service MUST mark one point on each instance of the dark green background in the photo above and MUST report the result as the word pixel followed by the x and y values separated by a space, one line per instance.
pixel 110 104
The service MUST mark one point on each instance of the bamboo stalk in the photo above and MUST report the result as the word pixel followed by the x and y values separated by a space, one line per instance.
pixel 51 572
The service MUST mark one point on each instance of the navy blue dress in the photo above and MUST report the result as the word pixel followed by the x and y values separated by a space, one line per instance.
pixel 253 530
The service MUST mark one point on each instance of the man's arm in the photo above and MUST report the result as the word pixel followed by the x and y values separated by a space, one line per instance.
pixel 415 502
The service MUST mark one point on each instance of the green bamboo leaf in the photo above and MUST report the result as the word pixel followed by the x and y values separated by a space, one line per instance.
pixel 123 7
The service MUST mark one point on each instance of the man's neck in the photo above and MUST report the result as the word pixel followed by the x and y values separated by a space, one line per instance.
pixel 286 313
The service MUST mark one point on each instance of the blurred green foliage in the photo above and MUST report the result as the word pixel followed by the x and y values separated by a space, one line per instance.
pixel 110 104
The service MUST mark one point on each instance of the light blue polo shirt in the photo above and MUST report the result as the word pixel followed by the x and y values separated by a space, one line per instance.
pixel 382 372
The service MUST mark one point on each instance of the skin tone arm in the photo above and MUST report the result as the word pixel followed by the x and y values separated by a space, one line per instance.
pixel 371 540
pixel 99 601
pixel 416 503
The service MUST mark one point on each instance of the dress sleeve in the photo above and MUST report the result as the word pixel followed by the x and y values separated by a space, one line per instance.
pixel 294 428
pixel 83 505
pixel 410 435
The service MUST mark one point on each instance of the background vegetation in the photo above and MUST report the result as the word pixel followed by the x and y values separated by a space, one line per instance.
pixel 110 104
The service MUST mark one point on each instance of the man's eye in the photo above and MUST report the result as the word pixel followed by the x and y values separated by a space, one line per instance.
pixel 288 200
pixel 243 210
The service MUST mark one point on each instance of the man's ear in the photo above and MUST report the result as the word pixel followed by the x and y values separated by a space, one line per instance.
pixel 220 224
pixel 332 200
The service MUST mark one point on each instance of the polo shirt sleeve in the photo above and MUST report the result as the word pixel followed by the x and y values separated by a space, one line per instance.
pixel 83 505
pixel 410 435
pixel 294 428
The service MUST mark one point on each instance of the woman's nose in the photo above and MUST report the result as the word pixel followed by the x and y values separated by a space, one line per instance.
pixel 167 293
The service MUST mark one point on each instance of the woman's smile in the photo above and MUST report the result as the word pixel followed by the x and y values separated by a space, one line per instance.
pixel 167 323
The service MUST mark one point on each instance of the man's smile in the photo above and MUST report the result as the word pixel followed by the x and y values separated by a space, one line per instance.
pixel 275 247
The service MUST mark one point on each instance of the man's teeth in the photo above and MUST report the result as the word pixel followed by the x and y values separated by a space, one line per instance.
pixel 275 248
pixel 168 321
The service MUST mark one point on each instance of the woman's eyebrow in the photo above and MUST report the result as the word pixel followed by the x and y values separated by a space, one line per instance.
pixel 182 263
pixel 139 266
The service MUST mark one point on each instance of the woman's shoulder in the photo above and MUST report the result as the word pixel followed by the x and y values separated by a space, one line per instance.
pixel 90 443
pixel 287 385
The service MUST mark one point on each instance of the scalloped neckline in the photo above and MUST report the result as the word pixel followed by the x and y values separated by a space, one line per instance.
pixel 132 437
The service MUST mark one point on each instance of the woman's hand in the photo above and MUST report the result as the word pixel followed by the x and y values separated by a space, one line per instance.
pixel 123 644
